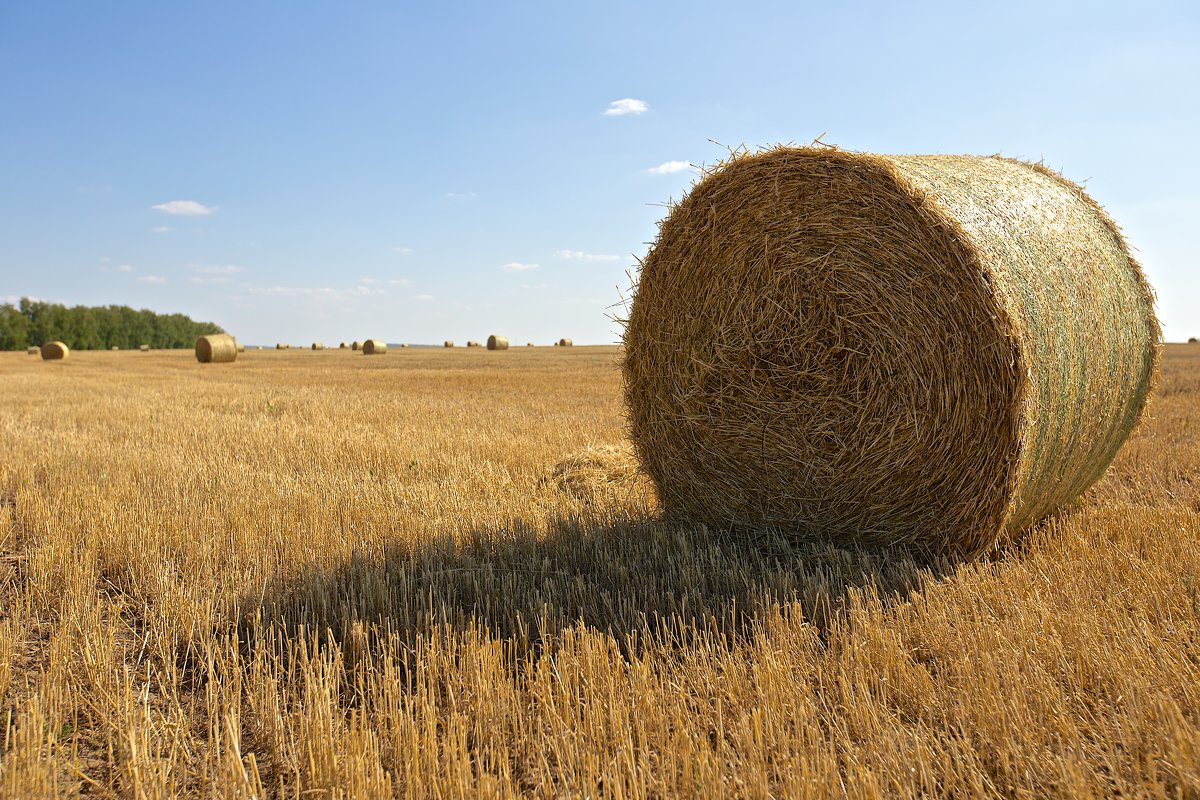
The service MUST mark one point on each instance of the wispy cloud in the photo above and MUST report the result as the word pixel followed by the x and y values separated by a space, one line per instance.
pixel 628 105
pixel 459 195
pixel 424 298
pixel 161 229
pixel 516 266
pixel 579 255
pixel 124 268
pixel 399 281
pixel 668 167
pixel 184 208
pixel 323 293
pixel 402 250
pixel 155 280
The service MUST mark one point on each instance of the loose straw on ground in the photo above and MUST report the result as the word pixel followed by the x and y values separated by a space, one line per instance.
pixel 926 350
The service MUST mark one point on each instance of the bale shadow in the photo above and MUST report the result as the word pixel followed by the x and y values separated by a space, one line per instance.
pixel 634 578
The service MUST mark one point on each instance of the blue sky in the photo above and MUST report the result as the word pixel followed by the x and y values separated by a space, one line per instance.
pixel 329 171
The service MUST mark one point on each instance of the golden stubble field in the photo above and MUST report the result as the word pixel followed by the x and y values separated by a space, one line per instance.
pixel 328 575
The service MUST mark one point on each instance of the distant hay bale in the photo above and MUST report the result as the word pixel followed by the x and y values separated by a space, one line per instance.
pixel 374 347
pixel 145 348
pixel 601 473
pixel 935 351
pixel 216 348
pixel 343 346
pixel 403 346
pixel 495 342
pixel 33 351
pixel 55 351
pixel 473 343
pixel 114 347
pixel 356 345
pixel 280 346
pixel 447 343
pixel 241 348
pixel 529 344
pixel 565 343
pixel 318 346
pixel 1193 340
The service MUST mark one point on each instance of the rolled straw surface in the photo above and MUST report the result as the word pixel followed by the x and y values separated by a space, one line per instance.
pixel 216 348
pixel 927 350
pixel 55 351
pixel 447 343
pixel 565 343
pixel 495 342
pixel 318 346
pixel 374 347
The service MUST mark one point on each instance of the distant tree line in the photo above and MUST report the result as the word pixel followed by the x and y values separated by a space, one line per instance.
pixel 31 322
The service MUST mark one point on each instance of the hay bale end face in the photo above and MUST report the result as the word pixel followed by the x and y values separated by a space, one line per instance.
pixel 565 343
pixel 495 342
pixel 374 347
pixel 447 343
pixel 216 348
pixel 55 351
pixel 934 351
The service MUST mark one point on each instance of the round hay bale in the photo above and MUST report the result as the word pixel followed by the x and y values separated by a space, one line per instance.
pixel 55 351
pixel 145 348
pixel 241 348
pixel 447 343
pixel 343 346
pixel 216 348
pixel 497 342
pixel 404 346
pixel 318 346
pixel 1193 340
pixel 280 346
pixel 356 345
pixel 374 347
pixel 529 344
pixel 473 343
pixel 565 343
pixel 114 348
pixel 33 351
pixel 934 351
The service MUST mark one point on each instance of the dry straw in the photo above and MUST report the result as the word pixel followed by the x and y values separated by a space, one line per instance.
pixel 55 351
pixel 318 346
pixel 447 343
pixel 926 350
pixel 216 348
pixel 565 343
pixel 606 472
pixel 374 347
pixel 497 342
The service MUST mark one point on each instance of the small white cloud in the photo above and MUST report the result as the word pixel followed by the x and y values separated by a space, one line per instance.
pixel 324 293
pixel 402 250
pixel 156 280
pixel 628 105
pixel 209 279
pixel 161 229
pixel 124 268
pixel 460 195
pixel 424 298
pixel 399 281
pixel 105 259
pixel 368 280
pixel 535 286
pixel 669 167
pixel 516 266
pixel 184 208
pixel 579 255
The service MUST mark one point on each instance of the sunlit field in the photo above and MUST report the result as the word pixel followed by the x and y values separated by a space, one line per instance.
pixel 323 574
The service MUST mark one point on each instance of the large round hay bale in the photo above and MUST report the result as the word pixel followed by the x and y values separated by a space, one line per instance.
pixel 447 343
pixel 145 348
pixel 33 351
pixel 565 343
pixel 318 346
pixel 927 350
pixel 55 351
pixel 495 342
pixel 216 348
pixel 374 347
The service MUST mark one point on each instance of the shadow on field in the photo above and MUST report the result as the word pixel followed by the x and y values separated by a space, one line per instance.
pixel 636 579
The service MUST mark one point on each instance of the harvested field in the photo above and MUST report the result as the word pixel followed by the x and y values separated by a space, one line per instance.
pixel 220 582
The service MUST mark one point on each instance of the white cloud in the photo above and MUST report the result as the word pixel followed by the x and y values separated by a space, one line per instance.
pixel 209 279
pixel 368 280
pixel 324 293
pixel 105 259
pixel 161 229
pixel 459 195
pixel 215 269
pixel 124 268
pixel 184 208
pixel 402 250
pixel 516 266
pixel 156 280
pixel 579 255
pixel 399 281
pixel 628 105
pixel 424 298
pixel 669 167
